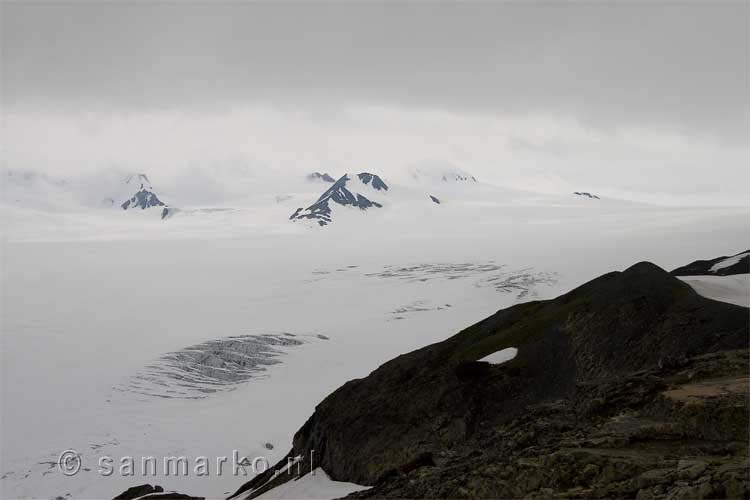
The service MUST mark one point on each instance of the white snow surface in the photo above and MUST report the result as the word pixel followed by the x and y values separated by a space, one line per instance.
pixel 501 356
pixel 734 289
pixel 312 486
pixel 91 298
pixel 440 173
pixel 728 262
pixel 138 182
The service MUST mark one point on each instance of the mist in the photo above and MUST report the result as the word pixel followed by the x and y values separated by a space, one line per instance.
pixel 644 101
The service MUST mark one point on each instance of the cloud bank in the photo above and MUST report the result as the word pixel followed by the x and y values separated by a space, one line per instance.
pixel 645 100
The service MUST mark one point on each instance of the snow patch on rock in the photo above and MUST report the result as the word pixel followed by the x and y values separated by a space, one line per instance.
pixel 501 356
pixel 728 262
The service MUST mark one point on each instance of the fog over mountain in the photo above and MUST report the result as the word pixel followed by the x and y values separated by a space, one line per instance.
pixel 639 101
pixel 249 231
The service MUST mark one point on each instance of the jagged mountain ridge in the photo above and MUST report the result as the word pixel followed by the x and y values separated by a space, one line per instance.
pixel 346 191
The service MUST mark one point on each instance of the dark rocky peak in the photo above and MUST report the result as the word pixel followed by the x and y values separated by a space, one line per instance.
pixel 317 176
pixel 346 191
pixel 720 266
pixel 586 194
pixel 143 197
pixel 434 199
pixel 372 180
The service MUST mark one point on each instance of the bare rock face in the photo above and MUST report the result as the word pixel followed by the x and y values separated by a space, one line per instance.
pixel 720 266
pixel 631 385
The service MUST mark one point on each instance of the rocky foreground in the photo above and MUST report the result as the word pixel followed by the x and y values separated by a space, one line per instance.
pixel 630 386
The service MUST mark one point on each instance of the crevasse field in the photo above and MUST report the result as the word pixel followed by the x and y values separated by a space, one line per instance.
pixel 114 323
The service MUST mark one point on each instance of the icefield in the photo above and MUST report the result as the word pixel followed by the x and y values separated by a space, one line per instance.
pixel 220 328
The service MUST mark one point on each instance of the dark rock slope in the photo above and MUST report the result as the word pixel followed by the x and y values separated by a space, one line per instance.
pixel 720 266
pixel 631 385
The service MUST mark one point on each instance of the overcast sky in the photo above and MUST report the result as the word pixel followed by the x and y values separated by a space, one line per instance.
pixel 647 100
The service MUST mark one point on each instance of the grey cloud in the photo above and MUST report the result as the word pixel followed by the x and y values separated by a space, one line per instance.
pixel 666 64
pixel 546 147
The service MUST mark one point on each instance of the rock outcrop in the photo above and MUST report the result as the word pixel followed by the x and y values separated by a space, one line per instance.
pixel 630 386
pixel 720 266
pixel 586 194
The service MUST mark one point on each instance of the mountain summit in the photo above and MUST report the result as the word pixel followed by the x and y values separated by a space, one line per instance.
pixel 144 196
pixel 349 191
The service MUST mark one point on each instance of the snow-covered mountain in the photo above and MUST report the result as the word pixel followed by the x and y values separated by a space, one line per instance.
pixel 37 190
pixel 144 196
pixel 360 191
pixel 440 173
pixel 423 270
